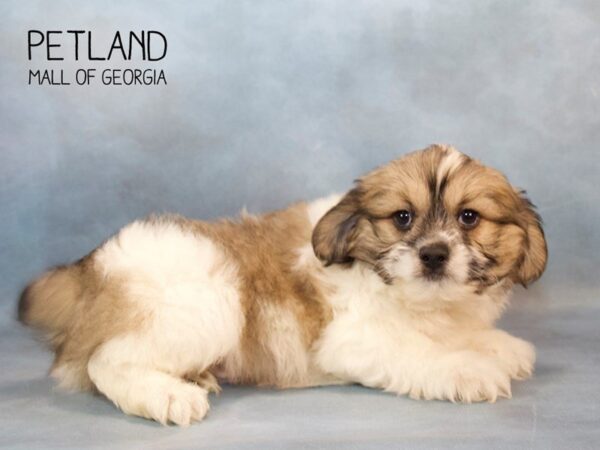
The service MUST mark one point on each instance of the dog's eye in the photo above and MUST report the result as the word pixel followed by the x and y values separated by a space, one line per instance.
pixel 403 219
pixel 468 218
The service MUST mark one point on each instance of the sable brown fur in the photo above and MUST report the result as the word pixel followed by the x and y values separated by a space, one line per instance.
pixel 269 280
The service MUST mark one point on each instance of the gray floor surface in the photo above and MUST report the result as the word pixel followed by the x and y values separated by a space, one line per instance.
pixel 557 408
pixel 270 102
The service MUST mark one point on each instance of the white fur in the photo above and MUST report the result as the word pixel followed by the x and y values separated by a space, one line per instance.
pixel 403 262
pixel 449 164
pixel 317 208
pixel 187 296
pixel 380 340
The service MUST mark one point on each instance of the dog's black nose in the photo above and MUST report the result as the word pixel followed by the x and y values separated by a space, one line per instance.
pixel 434 256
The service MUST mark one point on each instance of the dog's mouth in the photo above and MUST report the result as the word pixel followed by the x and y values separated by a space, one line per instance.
pixel 434 276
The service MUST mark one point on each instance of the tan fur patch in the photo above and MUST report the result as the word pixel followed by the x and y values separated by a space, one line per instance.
pixel 77 309
pixel 265 249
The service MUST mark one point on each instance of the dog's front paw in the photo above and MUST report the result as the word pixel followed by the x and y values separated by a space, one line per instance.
pixel 515 355
pixel 179 403
pixel 464 377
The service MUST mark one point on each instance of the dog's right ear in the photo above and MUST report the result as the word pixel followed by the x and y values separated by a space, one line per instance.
pixel 335 233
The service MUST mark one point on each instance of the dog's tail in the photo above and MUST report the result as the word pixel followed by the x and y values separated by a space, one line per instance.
pixel 49 304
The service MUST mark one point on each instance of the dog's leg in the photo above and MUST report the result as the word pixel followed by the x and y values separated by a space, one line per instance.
pixel 149 392
pixel 144 372
pixel 378 354
pixel 515 355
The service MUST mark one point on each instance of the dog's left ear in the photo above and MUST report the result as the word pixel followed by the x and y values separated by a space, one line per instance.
pixel 333 237
pixel 535 251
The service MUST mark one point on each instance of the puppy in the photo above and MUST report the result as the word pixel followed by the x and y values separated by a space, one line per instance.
pixel 396 286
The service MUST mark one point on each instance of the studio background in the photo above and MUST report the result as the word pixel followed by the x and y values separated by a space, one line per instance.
pixel 273 102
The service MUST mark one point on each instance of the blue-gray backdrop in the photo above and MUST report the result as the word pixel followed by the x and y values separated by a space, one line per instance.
pixel 270 102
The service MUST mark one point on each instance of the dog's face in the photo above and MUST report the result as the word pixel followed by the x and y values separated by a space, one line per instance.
pixel 438 220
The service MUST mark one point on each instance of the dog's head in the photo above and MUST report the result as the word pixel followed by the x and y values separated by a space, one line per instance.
pixel 437 219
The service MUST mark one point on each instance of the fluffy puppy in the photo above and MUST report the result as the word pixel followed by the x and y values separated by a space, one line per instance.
pixel 396 285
